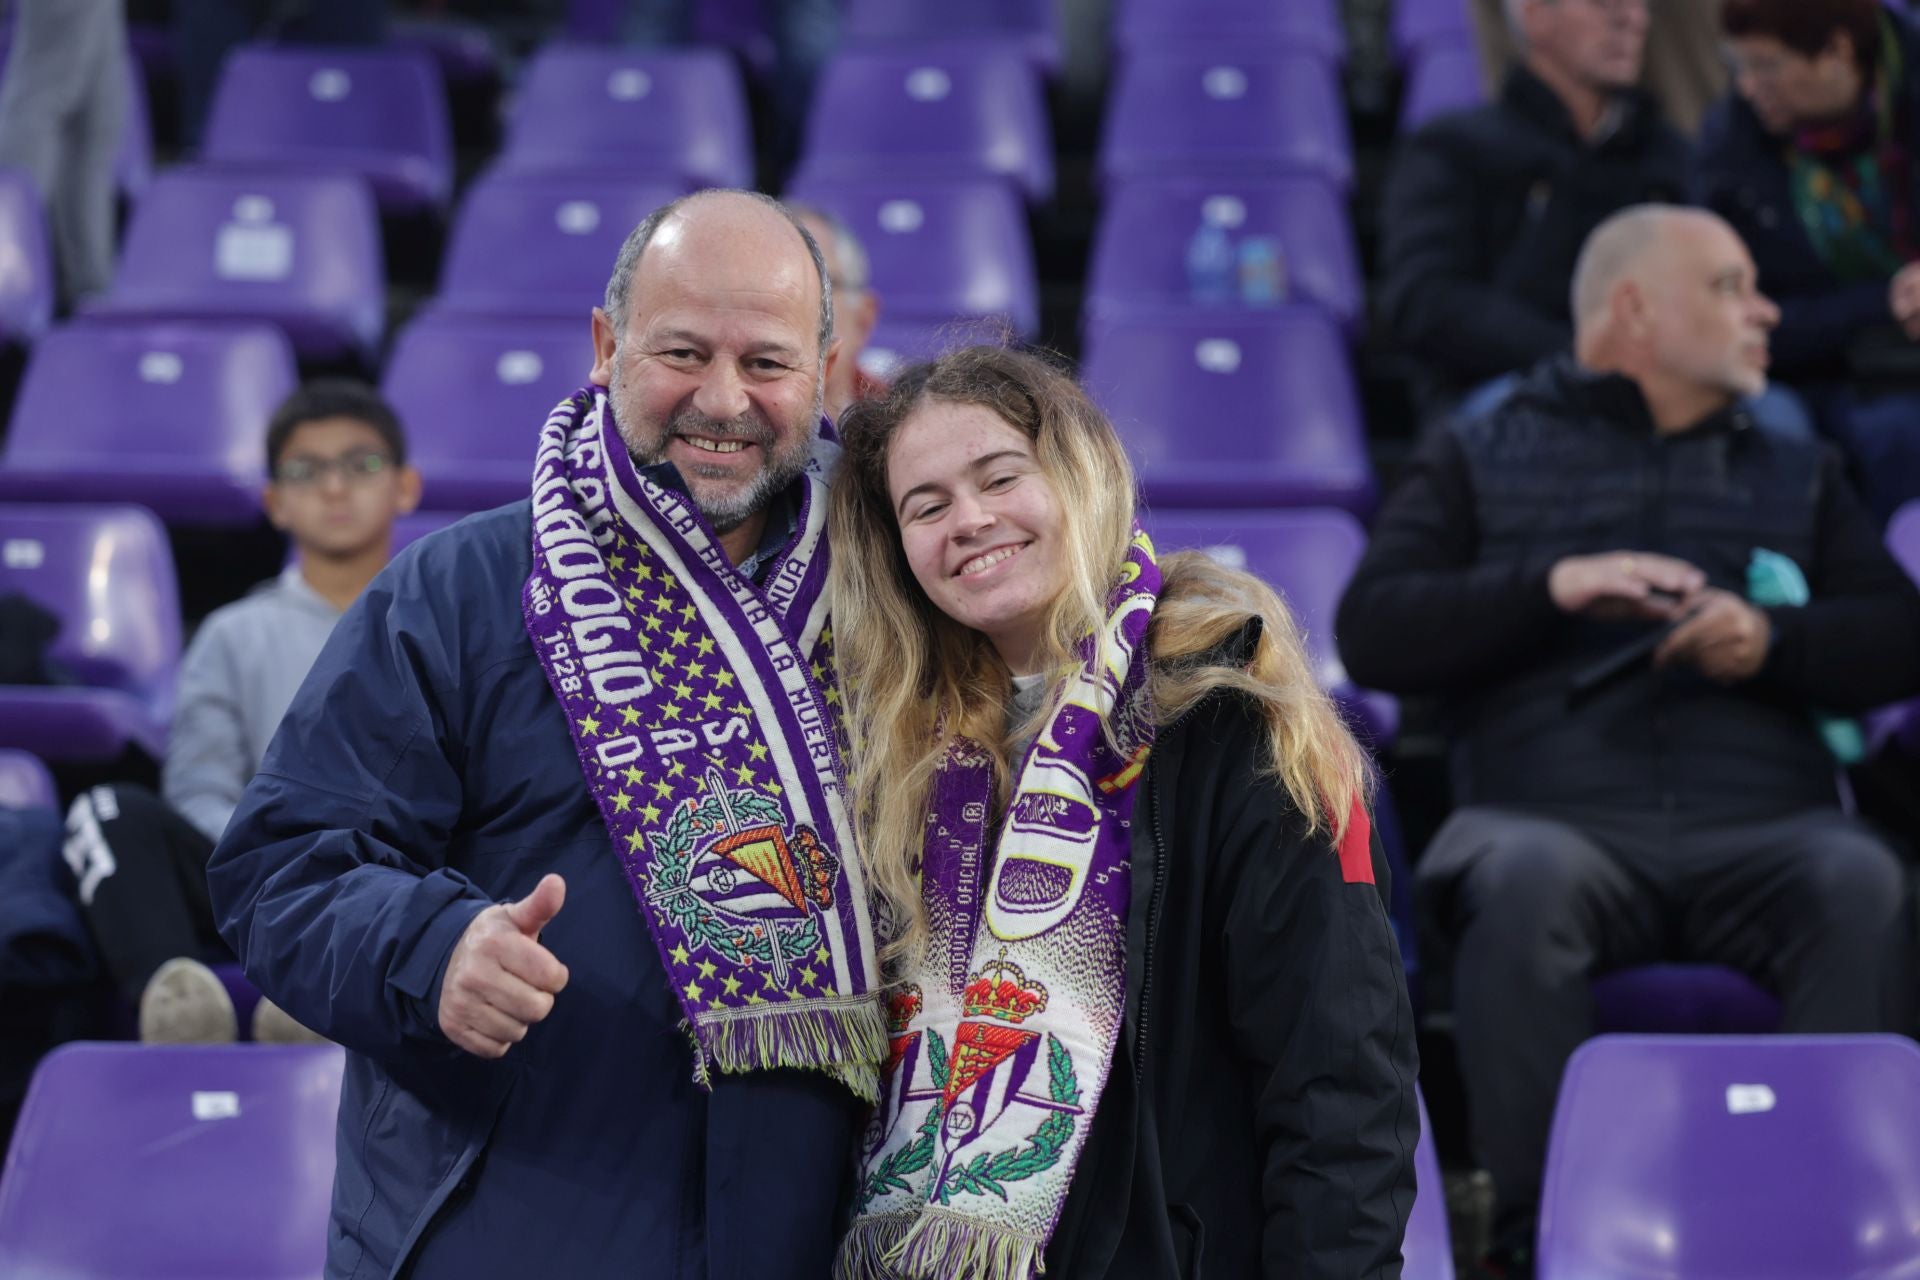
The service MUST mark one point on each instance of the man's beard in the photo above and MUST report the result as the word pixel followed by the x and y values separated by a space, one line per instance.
pixel 778 470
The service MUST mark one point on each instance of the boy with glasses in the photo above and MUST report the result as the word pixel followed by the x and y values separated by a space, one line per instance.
pixel 339 479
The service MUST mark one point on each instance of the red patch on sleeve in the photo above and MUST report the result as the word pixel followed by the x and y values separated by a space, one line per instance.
pixel 1356 847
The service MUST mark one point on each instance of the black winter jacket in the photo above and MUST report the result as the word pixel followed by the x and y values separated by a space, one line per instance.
pixel 1483 218
pixel 1743 177
pixel 1451 598
pixel 1259 1120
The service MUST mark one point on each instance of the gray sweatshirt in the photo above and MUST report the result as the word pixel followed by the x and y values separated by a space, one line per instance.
pixel 239 675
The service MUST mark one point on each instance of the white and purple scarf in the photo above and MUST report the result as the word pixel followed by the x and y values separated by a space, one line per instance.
pixel 705 712
pixel 1002 1037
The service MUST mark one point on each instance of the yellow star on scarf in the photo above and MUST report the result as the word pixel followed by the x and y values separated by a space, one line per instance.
pixel 634 776
pixel 663 606
pixel 705 645
pixel 712 701
pixel 678 636
pixel 716 1003
pixel 743 775
pixel 589 725
pixel 679 954
pixel 666 660
pixel 732 985
pixel 833 696
pixel 823 955
pixel 629 716
pixel 819 671
pixel 683 691
pixel 622 802
pixel 724 679
pixel 687 611
pixel 758 750
pixel 742 709
pixel 826 635
pixel 706 969
pixel 635 593
pixel 652 621
pixel 646 641
pixel 649 814
pixel 808 976
pixel 678 769
pixel 643 571
pixel 664 791
pixel 617 563
pixel 754 999
pixel 635 841
pixel 696 669
pixel 693 991
pixel 672 710
pixel 774 788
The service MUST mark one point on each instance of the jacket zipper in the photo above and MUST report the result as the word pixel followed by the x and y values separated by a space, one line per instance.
pixel 1153 935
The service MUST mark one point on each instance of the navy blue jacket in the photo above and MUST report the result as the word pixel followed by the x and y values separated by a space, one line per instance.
pixel 423 772
pixel 1743 178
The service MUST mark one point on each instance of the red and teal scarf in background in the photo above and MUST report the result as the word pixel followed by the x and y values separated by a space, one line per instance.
pixel 1003 1033
pixel 704 709
pixel 1852 180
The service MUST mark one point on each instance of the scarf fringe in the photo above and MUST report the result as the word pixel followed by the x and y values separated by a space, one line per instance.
pixel 932 1244
pixel 847 1039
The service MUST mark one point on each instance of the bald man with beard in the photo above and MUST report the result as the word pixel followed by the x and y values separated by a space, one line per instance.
pixel 1685 809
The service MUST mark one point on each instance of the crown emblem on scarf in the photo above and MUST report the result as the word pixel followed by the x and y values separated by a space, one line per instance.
pixel 1001 990
pixel 903 1006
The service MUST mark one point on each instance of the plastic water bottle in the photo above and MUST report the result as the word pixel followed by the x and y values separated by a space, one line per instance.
pixel 1210 265
pixel 1263 278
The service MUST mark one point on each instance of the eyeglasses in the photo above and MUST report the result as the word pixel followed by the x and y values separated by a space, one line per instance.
pixel 309 473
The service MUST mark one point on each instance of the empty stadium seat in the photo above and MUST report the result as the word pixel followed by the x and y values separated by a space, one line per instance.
pixel 107 574
pixel 173 1160
pixel 899 341
pixel 1443 76
pixel 542 244
pixel 1415 22
pixel 1140 247
pixel 474 391
pixel 1682 999
pixel 25 782
pixel 27 282
pixel 679 114
pixel 174 417
pixel 1309 557
pixel 1249 409
pixel 956 110
pixel 1226 110
pixel 1309 26
pixel 1734 1158
pixel 1022 24
pixel 300 252
pixel 939 250
pixel 380 114
pixel 1427 1252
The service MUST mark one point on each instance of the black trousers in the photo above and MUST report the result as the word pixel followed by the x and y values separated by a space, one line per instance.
pixel 142 870
pixel 1532 907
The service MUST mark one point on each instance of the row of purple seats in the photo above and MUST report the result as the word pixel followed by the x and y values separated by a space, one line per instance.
pixel 1309 26
pixel 1415 23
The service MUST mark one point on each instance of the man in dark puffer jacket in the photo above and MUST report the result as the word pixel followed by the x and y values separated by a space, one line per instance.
pixel 1688 808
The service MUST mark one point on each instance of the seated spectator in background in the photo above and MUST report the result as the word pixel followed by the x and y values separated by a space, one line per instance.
pixel 1485 210
pixel 856 307
pixel 339 480
pixel 1687 809
pixel 1684 69
pixel 1812 162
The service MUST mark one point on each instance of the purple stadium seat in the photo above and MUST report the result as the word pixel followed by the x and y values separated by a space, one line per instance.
pixel 738 25
pixel 1249 409
pixel 898 342
pixel 463 50
pixel 1443 76
pixel 948 110
pixel 27 283
pixel 1226 110
pixel 213 1161
pixel 301 252
pixel 473 391
pixel 939 250
pixel 25 782
pixel 675 114
pixel 1022 24
pixel 1309 26
pixel 1428 1249
pixel 1308 556
pixel 1734 1158
pixel 107 574
pixel 1140 248
pixel 379 114
pixel 542 244
pixel 174 417
pixel 1682 999
pixel 1903 538
pixel 1415 22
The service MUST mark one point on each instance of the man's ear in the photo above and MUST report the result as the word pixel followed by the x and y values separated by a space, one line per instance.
pixel 834 351
pixel 271 504
pixel 605 341
pixel 1632 309
pixel 406 497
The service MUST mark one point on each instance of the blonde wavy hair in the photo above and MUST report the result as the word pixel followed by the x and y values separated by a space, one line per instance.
pixel 915 679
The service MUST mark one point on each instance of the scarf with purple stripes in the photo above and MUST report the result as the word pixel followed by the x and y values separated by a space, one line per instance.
pixel 704 709
pixel 1001 1037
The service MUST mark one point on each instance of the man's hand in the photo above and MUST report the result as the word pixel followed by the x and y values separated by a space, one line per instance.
pixel 500 980
pixel 1726 639
pixel 1903 299
pixel 1624 584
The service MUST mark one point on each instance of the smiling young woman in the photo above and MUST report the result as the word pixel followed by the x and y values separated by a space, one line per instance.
pixel 1119 847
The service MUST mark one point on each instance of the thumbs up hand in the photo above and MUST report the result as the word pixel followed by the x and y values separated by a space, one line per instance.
pixel 500 980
